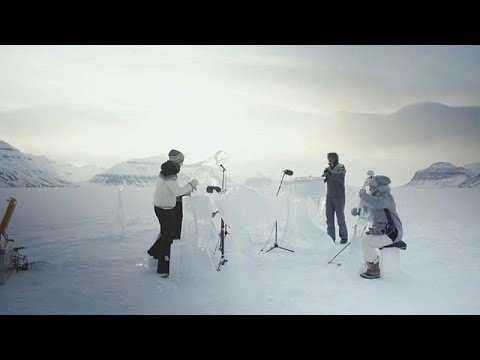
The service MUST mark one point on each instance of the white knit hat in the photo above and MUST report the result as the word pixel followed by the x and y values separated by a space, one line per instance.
pixel 175 156
pixel 379 180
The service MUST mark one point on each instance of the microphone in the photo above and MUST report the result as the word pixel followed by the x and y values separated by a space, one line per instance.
pixel 211 189
pixel 288 172
pixel 223 167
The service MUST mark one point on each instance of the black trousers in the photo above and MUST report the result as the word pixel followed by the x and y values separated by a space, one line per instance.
pixel 161 248
pixel 178 210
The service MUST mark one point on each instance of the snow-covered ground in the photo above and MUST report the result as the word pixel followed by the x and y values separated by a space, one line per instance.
pixel 95 249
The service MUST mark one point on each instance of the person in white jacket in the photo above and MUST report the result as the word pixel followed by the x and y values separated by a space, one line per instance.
pixel 386 227
pixel 164 201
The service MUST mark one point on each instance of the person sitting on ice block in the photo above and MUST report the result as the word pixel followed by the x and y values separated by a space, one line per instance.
pixel 386 229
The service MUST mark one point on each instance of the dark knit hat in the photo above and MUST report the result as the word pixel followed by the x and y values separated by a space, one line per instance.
pixel 175 156
pixel 333 155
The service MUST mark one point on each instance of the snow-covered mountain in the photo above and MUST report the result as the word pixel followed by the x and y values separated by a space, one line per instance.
pixel 74 173
pixel 138 172
pixel 473 167
pixel 471 182
pixel 474 181
pixel 18 169
pixel 441 174
pixel 144 172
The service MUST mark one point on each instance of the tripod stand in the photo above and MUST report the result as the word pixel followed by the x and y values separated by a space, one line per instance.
pixel 275 245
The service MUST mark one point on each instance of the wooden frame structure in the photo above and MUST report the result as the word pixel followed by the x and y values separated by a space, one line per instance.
pixel 6 245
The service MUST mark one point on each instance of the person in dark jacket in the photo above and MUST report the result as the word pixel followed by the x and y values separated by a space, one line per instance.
pixel 335 203
pixel 165 200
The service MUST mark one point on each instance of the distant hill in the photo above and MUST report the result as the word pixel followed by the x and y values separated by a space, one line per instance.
pixel 18 169
pixel 440 174
pixel 473 167
pixel 472 182
pixel 144 172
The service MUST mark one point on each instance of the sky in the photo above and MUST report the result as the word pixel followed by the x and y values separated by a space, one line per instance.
pixel 268 107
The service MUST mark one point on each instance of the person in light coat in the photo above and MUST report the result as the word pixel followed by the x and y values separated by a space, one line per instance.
pixel 164 201
pixel 386 226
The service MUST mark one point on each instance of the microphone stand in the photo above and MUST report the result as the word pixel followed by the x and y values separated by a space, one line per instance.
pixel 223 227
pixel 275 245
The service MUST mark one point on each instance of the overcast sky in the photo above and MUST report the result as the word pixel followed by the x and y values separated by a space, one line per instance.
pixel 267 107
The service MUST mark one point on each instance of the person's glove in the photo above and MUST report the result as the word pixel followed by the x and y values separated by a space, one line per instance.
pixel 355 211
pixel 361 192
pixel 326 172
pixel 194 183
